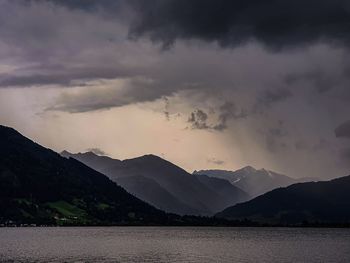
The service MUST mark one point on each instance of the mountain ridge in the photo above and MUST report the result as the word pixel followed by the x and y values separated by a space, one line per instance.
pixel 253 181
pixel 323 201
pixel 185 187
pixel 38 185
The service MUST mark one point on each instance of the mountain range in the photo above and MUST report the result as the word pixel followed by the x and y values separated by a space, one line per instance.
pixel 39 186
pixel 165 185
pixel 326 202
pixel 252 181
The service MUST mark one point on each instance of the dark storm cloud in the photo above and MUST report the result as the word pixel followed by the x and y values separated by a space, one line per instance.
pixel 83 107
pixel 301 145
pixel 275 23
pixel 274 145
pixel 166 108
pixel 63 76
pixel 321 144
pixel 343 130
pixel 269 97
pixel 107 95
pixel 275 137
pixel 320 80
pixel 88 5
pixel 84 45
pixel 345 155
pixel 81 4
pixel 199 119
pixel 228 111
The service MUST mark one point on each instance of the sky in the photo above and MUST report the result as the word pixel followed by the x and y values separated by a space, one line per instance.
pixel 204 84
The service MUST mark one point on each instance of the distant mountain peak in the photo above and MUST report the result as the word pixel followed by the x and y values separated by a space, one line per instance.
pixel 258 172
pixel 251 180
pixel 248 169
pixel 66 153
pixel 91 154
pixel 151 156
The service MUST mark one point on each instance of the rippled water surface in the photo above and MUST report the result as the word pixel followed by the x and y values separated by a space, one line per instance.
pixel 174 244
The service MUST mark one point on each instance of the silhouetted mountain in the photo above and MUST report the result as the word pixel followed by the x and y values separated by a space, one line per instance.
pixel 150 191
pixel 171 188
pixel 252 181
pixel 39 186
pixel 230 195
pixel 94 160
pixel 326 202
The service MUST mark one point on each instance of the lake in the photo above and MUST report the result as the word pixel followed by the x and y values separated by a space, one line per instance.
pixel 174 244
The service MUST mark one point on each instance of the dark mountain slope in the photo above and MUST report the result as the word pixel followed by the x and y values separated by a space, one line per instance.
pixel 93 160
pixel 38 185
pixel 183 188
pixel 149 190
pixel 230 195
pixel 314 202
pixel 178 182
